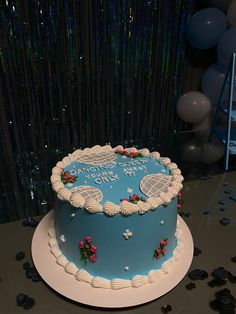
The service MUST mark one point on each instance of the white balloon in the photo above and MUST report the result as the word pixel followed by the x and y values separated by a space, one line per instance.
pixel 193 107
pixel 212 152
pixel 231 14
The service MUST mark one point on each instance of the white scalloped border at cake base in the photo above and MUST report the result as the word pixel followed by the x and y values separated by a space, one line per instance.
pixel 56 277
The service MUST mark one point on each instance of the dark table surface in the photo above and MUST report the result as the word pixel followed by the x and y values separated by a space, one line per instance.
pixel 217 243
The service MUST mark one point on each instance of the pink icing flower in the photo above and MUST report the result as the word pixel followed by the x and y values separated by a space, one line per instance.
pixel 93 249
pixel 163 243
pixel 93 258
pixel 81 244
pixel 86 246
pixel 88 239
pixel 85 254
pixel 163 250
pixel 158 251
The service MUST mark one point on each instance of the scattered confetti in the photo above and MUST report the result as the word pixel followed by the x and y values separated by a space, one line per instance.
pixel 222 209
pixel 233 259
pixel 224 221
pixel 233 198
pixel 224 302
pixel 188 214
pixel 29 303
pixel 24 301
pixel 216 282
pixel 166 308
pixel 26 266
pixel 198 274
pixel 31 272
pixel 19 256
pixel 222 202
pixel 197 251
pixel 220 273
pixel 190 286
pixel 206 212
pixel 20 299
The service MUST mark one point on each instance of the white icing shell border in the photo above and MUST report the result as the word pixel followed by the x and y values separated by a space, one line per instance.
pixel 124 208
pixel 115 284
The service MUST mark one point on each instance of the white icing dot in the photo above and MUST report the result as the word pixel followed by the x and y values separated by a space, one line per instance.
pixel 62 238
pixel 127 234
pixel 162 222
pixel 85 181
pixel 110 186
pixel 126 268
pixel 72 215
pixel 74 167
pixel 129 190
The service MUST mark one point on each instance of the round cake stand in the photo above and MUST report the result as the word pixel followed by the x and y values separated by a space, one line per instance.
pixel 56 277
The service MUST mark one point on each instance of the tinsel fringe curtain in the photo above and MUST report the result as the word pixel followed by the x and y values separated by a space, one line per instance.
pixel 78 73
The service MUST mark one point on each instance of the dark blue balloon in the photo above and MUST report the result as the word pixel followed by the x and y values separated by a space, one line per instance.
pixel 206 27
pixel 212 82
pixel 226 46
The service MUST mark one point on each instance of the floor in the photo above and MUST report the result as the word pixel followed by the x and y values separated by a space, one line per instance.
pixel 202 212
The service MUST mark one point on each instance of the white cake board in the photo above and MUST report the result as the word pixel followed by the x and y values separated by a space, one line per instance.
pixel 56 277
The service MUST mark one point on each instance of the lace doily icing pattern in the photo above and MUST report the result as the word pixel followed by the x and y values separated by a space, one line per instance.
pixel 109 208
pixel 137 281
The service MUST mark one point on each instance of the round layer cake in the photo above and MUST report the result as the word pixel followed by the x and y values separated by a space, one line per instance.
pixel 115 217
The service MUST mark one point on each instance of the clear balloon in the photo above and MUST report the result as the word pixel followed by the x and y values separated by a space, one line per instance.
pixel 206 27
pixel 226 46
pixel 191 151
pixel 212 152
pixel 220 4
pixel 202 130
pixel 193 107
pixel 231 14
pixel 212 81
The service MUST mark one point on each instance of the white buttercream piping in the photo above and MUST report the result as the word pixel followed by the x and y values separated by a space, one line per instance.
pixel 110 208
pixel 115 284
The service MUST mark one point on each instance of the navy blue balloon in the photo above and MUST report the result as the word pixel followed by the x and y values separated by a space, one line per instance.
pixel 226 46
pixel 212 82
pixel 206 27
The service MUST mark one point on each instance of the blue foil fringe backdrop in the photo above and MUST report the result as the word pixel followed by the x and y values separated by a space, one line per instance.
pixel 79 73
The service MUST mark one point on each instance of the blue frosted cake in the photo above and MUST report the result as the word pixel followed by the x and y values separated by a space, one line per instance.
pixel 116 215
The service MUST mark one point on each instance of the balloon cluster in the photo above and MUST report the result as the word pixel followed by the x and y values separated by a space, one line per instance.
pixel 206 29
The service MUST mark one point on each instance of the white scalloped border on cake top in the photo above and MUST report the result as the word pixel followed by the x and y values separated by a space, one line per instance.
pixel 124 208
pixel 137 281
